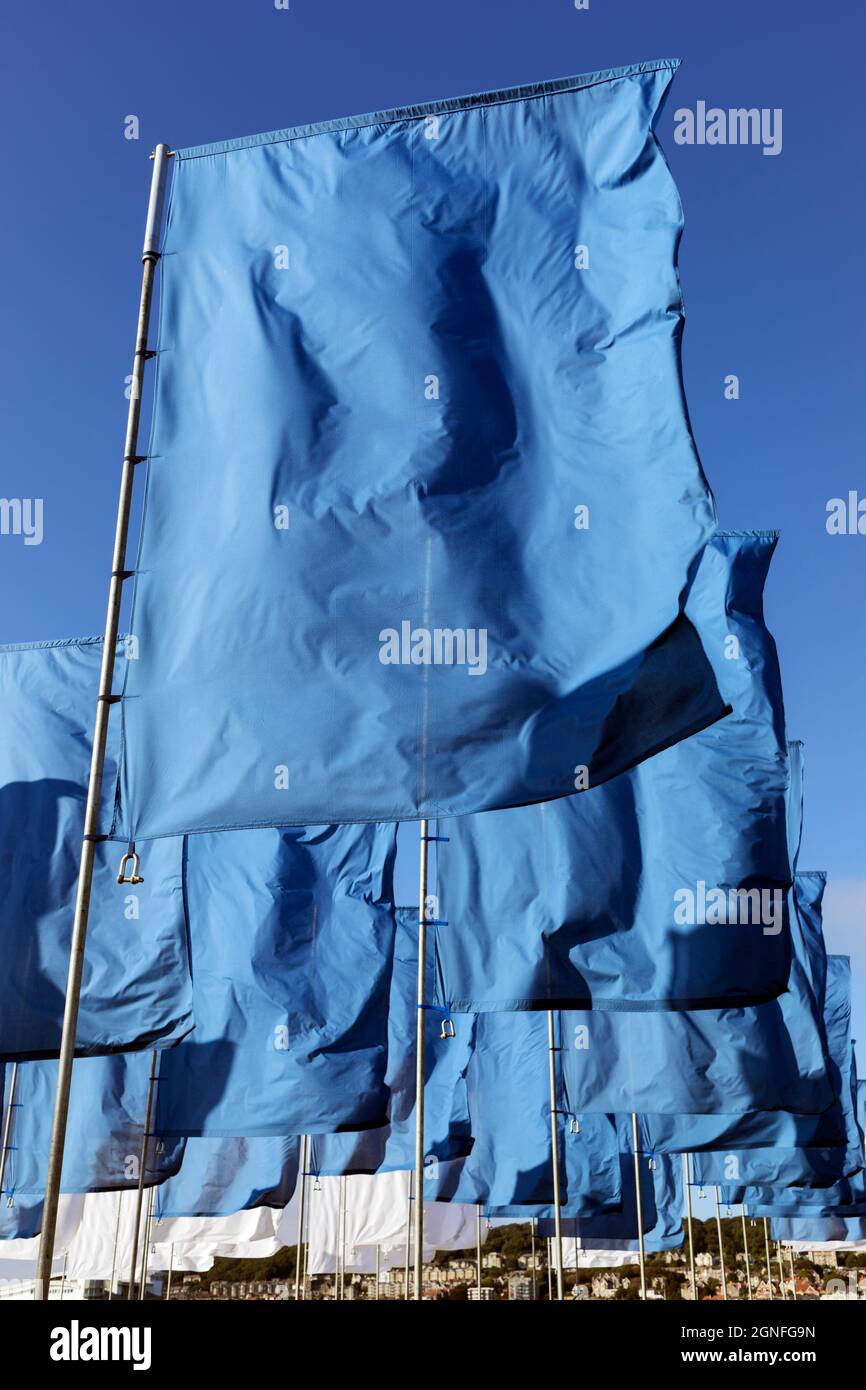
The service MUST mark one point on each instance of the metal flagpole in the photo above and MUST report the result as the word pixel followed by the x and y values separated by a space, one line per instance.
pixel 342 1237
pixel 746 1248
pixel 549 1268
pixel 532 1256
pixel 419 1056
pixel 114 1250
pixel 781 1270
pixel 721 1247
pixel 170 1271
pixel 793 1275
pixel 478 1249
pixel 145 1252
pixel 303 1192
pixel 554 1151
pixel 63 1275
pixel 639 1200
pixel 307 1243
pixel 142 1173
pixel 150 255
pixel 687 1180
pixel 769 1265
pixel 408 1238
pixel 378 1270
pixel 7 1125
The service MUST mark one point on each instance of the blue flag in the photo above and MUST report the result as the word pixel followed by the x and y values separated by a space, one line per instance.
pixel 222 1176
pixel 292 940
pixel 715 1061
pixel 136 988
pixel 664 889
pixel 817 1229
pixel 782 1129
pixel 776 1166
pixel 805 1166
pixel 104 1134
pixel 453 497
pixel 847 1195
pixel 447 1132
pixel 661 1202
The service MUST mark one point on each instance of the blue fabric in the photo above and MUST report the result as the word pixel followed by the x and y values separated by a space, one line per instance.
pixel 605 901
pixel 502 1066
pixel 222 1176
pixel 715 1061
pixel 782 1129
pixel 135 989
pixel 105 1128
pixel 776 1166
pixel 661 1202
pixel 446 1111
pixel 845 1197
pixel 382 367
pixel 292 941
pixel 819 1229
pixel 509 1107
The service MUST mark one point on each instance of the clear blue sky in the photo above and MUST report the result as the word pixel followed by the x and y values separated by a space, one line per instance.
pixel 771 266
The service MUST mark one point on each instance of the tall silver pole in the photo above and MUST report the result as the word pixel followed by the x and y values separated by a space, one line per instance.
pixel 342 1258
pixel 769 1265
pixel 170 1271
pixel 687 1180
pixel 549 1268
pixel 746 1248
pixel 781 1270
pixel 307 1242
pixel 639 1200
pixel 301 1196
pixel 408 1238
pixel 63 1276
pixel 793 1275
pixel 145 1251
pixel 7 1125
pixel 532 1256
pixel 721 1247
pixel 378 1270
pixel 142 1174
pixel 114 1249
pixel 478 1249
pixel 420 1036
pixel 554 1151
pixel 150 255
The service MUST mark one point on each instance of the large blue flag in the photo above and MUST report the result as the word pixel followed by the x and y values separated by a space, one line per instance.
pixel 292 940
pixel 716 1061
pixel 453 498
pixel 222 1176
pixel 135 990
pixel 665 888
pixel 104 1133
